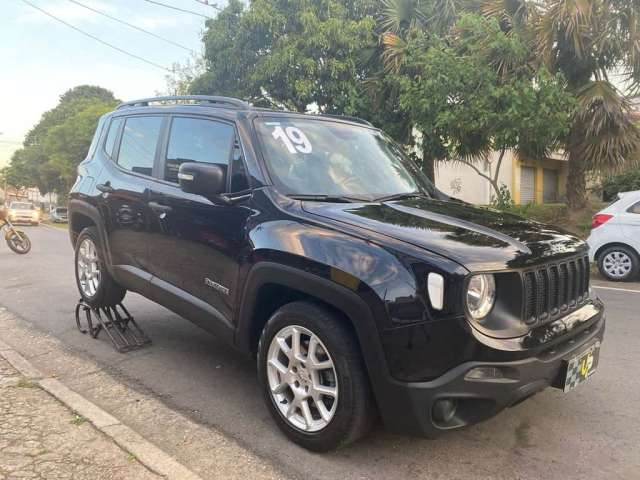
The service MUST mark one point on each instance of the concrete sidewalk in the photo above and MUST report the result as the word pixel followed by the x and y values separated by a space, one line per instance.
pixel 112 416
pixel 42 439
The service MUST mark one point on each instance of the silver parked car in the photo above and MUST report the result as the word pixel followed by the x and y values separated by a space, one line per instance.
pixel 59 215
pixel 614 242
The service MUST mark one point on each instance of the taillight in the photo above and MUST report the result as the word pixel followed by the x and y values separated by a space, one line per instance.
pixel 599 219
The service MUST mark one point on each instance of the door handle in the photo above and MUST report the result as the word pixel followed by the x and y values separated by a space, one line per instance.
pixel 105 187
pixel 159 208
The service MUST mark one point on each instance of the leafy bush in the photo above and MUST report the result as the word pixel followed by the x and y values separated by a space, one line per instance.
pixel 558 214
pixel 624 182
pixel 503 200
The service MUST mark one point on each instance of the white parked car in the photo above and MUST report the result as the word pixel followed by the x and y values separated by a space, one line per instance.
pixel 614 242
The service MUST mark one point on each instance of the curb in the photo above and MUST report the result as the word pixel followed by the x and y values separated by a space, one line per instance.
pixel 145 452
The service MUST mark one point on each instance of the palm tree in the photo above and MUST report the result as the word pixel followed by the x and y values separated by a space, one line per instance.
pixel 398 23
pixel 589 41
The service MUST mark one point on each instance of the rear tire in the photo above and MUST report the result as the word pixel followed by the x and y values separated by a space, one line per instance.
pixel 618 264
pixel 95 284
pixel 333 365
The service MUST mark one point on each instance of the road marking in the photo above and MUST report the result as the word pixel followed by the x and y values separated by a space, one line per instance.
pixel 617 289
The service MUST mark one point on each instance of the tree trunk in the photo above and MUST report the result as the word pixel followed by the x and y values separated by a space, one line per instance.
pixel 428 166
pixel 576 181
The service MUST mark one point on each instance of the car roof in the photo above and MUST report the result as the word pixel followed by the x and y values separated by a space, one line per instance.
pixel 222 107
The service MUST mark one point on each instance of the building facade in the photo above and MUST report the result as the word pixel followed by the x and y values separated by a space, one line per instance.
pixel 528 181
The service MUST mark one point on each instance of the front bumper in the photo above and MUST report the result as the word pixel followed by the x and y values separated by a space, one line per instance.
pixel 22 220
pixel 412 404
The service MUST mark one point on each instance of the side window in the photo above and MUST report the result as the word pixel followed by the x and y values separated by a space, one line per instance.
pixel 239 177
pixel 635 208
pixel 138 146
pixel 112 135
pixel 197 140
pixel 96 136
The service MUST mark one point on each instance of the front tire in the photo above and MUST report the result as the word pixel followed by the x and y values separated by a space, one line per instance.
pixel 313 377
pixel 18 242
pixel 618 264
pixel 96 286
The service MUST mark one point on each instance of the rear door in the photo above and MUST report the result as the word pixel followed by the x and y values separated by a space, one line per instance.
pixel 629 220
pixel 197 245
pixel 132 143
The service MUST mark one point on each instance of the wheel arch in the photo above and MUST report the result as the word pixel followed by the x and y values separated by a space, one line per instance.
pixel 271 285
pixel 606 246
pixel 83 215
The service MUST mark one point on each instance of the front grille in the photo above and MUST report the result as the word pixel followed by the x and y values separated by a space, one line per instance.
pixel 552 289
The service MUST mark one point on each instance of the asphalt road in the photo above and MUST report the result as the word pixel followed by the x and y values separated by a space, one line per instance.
pixel 591 432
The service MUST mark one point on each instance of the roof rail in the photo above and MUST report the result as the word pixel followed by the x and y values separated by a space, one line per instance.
pixel 203 100
pixel 346 117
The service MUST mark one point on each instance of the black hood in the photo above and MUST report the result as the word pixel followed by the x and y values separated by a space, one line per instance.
pixel 477 238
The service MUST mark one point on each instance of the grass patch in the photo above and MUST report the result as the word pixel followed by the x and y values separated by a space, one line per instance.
pixel 78 420
pixel 558 214
pixel 61 226
pixel 25 383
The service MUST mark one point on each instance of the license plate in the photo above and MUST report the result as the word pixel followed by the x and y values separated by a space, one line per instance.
pixel 581 367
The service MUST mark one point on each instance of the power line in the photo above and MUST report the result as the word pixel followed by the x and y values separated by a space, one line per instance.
pixel 133 55
pixel 206 2
pixel 104 14
pixel 178 9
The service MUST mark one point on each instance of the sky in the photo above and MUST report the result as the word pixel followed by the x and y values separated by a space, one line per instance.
pixel 41 58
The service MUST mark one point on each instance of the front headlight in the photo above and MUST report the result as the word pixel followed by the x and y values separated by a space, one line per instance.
pixel 481 295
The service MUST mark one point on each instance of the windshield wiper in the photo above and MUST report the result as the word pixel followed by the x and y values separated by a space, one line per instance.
pixel 328 198
pixel 401 196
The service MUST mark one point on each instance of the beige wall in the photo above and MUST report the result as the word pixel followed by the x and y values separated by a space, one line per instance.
pixel 463 182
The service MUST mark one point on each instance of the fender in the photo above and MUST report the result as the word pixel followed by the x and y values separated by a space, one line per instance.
pixel 338 296
pixel 90 211
pixel 11 231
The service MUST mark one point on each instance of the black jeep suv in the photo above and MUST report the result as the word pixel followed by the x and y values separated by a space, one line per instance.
pixel 313 242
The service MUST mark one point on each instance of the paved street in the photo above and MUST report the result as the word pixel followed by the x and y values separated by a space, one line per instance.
pixel 592 432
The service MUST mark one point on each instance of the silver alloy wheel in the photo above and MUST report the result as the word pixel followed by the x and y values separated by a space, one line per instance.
pixel 302 378
pixel 88 266
pixel 617 264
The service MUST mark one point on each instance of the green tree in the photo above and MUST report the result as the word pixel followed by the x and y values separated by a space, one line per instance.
pixel 290 53
pixel 587 41
pixel 59 141
pixel 469 101
pixel 400 23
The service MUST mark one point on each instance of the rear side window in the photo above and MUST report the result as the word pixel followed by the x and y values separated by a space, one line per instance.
pixel 138 146
pixel 112 135
pixel 96 136
pixel 635 208
pixel 197 140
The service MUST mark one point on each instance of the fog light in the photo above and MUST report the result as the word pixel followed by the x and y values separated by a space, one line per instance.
pixel 444 410
pixel 484 373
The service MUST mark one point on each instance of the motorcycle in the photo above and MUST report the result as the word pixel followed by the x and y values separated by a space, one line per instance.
pixel 17 240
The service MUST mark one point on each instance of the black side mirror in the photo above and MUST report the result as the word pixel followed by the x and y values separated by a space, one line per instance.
pixel 206 179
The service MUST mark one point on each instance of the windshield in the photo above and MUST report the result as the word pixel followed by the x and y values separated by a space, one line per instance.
pixel 61 210
pixel 21 206
pixel 319 157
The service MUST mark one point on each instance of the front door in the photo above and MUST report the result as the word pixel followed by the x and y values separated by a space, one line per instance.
pixel 197 244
